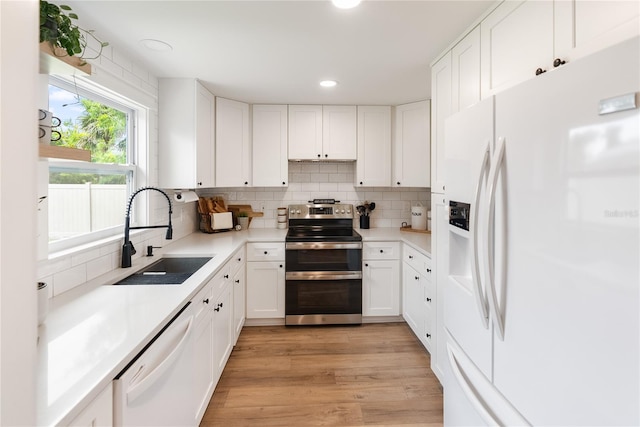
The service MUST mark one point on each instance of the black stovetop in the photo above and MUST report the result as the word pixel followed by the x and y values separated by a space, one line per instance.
pixel 325 230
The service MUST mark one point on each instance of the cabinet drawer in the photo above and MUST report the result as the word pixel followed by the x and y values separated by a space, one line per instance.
pixel 417 260
pixel 202 302
pixel 267 251
pixel 380 250
pixel 237 259
pixel 220 280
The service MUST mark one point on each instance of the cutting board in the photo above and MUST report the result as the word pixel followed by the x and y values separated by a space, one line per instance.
pixel 244 208
pixel 413 230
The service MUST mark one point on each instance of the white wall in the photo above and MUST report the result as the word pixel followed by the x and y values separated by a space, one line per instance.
pixel 18 204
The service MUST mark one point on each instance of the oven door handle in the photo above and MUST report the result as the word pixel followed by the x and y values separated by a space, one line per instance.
pixel 322 245
pixel 323 275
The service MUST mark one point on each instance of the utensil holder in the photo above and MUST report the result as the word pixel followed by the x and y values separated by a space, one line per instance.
pixel 364 222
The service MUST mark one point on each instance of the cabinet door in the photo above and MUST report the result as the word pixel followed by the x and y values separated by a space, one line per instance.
pixel 412 299
pixel 516 39
pixel 205 131
pixel 381 288
pixel 339 132
pixel 373 166
pixel 583 27
pixel 412 162
pixel 186 140
pixel 203 360
pixel 265 290
pixel 270 163
pixel 465 71
pixel 239 297
pixel 222 331
pixel 305 132
pixel 233 154
pixel 441 91
pixel 98 413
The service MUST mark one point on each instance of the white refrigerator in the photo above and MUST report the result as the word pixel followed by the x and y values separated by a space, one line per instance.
pixel 542 294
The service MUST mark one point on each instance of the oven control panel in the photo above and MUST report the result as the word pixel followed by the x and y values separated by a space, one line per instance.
pixel 321 211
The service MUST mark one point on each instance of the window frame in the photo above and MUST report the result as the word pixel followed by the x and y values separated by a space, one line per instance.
pixel 131 169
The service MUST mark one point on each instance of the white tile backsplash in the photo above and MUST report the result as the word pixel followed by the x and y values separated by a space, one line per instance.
pixel 334 180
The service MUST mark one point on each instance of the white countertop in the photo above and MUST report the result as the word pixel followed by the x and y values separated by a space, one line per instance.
pixel 93 331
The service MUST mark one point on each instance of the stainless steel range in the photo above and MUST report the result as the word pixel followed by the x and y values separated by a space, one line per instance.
pixel 323 265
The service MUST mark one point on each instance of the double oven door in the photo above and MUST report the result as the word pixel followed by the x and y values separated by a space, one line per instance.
pixel 323 283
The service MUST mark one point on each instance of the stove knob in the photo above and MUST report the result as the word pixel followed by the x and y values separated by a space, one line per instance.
pixel 298 211
pixel 349 211
pixel 342 211
pixel 292 212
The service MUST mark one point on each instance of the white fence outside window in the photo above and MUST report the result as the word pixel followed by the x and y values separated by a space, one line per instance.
pixel 82 208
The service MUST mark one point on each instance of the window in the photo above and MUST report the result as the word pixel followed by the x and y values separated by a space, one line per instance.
pixel 87 200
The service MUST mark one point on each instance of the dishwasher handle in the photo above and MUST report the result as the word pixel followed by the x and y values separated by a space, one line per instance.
pixel 134 391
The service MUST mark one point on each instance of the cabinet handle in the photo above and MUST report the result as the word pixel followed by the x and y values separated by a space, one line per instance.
pixel 428 299
pixel 284 183
pixel 366 265
pixel 326 155
pixel 280 265
pixel 200 183
pixel 540 71
pixel 246 183
pixel 417 277
pixel 319 155
pixel 360 182
pixel 217 308
pixel 239 259
pixel 558 62
pixel 238 281
pixel 428 270
pixel 428 335
pixel 381 251
pixel 265 252
pixel 410 256
pixel 398 182
pixel 206 301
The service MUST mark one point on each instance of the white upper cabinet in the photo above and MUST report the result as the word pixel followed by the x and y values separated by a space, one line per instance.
pixel 412 152
pixel 233 146
pixel 186 134
pixel 441 89
pixel 270 165
pixel 586 26
pixel 465 71
pixel 516 40
pixel 305 132
pixel 373 167
pixel 319 132
pixel 520 39
pixel 339 132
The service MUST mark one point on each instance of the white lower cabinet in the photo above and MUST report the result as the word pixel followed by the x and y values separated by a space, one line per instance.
pixel 417 296
pixel 265 280
pixel 222 331
pixel 381 279
pixel 203 355
pixel 239 283
pixel 98 413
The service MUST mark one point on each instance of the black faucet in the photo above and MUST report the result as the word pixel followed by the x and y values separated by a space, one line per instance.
pixel 127 249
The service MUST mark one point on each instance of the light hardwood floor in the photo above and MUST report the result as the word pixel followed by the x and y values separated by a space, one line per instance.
pixel 373 375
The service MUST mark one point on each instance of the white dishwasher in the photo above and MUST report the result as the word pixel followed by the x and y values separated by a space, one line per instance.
pixel 156 388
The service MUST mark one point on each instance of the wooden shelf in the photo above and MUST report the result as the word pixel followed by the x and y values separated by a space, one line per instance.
pixel 64 153
pixel 59 62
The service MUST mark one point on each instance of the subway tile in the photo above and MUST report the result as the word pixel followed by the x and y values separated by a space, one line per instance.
pixel 310 186
pixel 328 186
pixel 84 256
pixel 319 177
pixel 122 60
pixel 70 278
pixel 99 266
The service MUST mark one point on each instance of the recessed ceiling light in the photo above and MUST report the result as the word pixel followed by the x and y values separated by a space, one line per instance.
pixel 328 83
pixel 156 45
pixel 345 4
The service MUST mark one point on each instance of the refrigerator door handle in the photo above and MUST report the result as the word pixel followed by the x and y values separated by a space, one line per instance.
pixel 469 390
pixel 481 298
pixel 489 259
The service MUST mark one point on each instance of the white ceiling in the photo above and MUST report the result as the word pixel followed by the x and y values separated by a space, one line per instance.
pixel 278 51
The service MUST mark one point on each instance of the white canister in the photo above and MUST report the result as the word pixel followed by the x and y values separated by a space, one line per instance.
pixel 282 211
pixel 418 217
pixel 43 302
pixel 282 218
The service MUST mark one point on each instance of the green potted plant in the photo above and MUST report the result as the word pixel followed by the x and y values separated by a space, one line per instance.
pixel 57 28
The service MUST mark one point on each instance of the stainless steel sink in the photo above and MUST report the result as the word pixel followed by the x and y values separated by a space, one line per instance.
pixel 166 271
